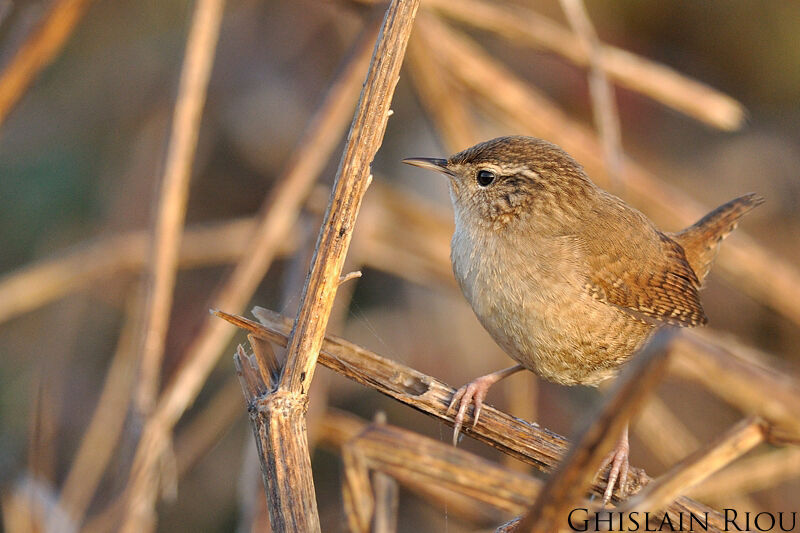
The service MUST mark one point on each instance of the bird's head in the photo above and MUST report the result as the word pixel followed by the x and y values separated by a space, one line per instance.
pixel 502 180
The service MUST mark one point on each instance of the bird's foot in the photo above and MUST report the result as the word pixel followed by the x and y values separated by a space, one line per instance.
pixel 474 392
pixel 618 473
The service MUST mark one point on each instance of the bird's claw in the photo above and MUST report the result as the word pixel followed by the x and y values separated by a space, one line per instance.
pixel 473 392
pixel 618 473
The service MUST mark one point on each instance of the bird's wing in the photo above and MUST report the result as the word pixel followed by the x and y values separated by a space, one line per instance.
pixel 646 275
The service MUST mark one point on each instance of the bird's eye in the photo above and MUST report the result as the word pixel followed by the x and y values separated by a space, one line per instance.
pixel 486 177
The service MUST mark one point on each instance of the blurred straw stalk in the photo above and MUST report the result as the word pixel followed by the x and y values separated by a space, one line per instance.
pixel 143 439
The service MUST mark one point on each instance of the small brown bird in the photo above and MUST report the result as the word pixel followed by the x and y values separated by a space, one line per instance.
pixel 568 279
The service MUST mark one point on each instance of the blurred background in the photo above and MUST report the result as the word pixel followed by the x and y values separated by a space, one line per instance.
pixel 83 151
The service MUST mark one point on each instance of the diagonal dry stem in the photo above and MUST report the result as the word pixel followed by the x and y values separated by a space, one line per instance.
pixel 729 446
pixel 525 441
pixel 43 45
pixel 195 73
pixel 640 74
pixel 280 423
pixel 101 436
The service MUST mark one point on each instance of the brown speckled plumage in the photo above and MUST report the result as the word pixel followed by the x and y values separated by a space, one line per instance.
pixel 567 278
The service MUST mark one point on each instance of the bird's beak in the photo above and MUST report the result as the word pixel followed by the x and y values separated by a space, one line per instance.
pixel 439 165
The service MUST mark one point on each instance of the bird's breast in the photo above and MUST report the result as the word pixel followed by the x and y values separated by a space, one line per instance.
pixel 529 296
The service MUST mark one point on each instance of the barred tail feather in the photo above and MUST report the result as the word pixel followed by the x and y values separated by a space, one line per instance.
pixel 700 241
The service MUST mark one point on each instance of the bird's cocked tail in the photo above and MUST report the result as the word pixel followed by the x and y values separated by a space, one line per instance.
pixel 700 241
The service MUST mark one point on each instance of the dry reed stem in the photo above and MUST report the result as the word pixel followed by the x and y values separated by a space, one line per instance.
pixel 752 474
pixel 357 497
pixel 274 224
pixel 386 495
pixel 195 74
pixel 205 429
pixel 278 422
pixel 350 185
pixel 277 217
pixel 452 477
pixel 723 367
pixel 568 484
pixel 527 442
pixel 444 103
pixel 285 460
pixel 732 444
pixel 664 433
pixel 748 265
pixel 173 195
pixel 640 74
pixel 44 43
pixel 46 280
pixel 604 106
pixel 105 427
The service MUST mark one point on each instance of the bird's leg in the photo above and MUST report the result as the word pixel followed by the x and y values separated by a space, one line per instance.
pixel 618 473
pixel 475 391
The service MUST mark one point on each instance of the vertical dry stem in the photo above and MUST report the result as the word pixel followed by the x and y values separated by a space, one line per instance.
pixel 277 217
pixel 282 439
pixel 602 93
pixel 195 74
pixel 173 194
pixel 279 427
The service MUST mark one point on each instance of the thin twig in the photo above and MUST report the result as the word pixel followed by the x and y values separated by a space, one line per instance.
pixel 38 51
pixel 101 436
pixel 173 195
pixel 606 117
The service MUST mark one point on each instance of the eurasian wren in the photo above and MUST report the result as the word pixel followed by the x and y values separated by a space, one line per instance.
pixel 568 279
